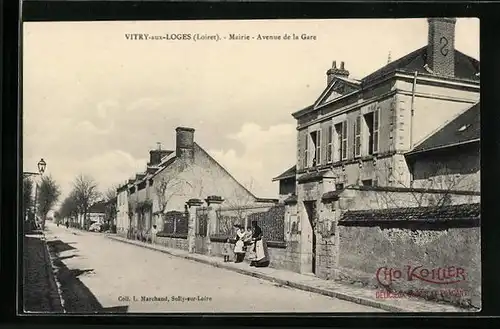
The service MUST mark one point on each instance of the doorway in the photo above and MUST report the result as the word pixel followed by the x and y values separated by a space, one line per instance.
pixel 311 210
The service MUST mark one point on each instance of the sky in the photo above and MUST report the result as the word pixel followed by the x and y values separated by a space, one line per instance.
pixel 95 103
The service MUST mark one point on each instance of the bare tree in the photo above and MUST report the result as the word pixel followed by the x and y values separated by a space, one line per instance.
pixel 69 207
pixel 86 194
pixel 237 206
pixel 166 188
pixel 110 198
pixel 47 197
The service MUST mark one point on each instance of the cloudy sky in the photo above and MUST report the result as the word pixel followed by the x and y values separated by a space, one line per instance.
pixel 96 103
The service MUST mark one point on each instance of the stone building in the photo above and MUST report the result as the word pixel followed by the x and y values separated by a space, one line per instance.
pixel 360 132
pixel 174 177
pixel 450 157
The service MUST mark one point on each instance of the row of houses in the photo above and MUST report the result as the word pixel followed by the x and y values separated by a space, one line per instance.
pixel 387 172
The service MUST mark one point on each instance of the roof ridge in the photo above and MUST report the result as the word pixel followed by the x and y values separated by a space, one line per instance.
pixel 225 170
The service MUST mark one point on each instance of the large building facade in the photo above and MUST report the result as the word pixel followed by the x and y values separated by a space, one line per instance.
pixel 358 132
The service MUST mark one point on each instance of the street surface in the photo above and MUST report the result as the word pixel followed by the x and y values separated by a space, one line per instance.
pixel 98 274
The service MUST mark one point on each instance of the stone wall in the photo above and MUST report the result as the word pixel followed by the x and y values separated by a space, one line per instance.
pixel 372 255
pixel 365 198
pixel 173 242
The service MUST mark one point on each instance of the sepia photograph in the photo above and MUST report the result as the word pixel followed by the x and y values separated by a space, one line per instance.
pixel 251 166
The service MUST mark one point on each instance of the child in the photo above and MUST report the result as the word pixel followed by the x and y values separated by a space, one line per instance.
pixel 154 231
pixel 226 251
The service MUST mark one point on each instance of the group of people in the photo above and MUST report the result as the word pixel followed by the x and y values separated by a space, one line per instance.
pixel 249 240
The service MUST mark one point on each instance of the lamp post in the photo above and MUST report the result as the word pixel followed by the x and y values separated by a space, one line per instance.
pixel 41 169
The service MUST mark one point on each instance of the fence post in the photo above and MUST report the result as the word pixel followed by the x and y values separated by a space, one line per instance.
pixel 193 205
pixel 211 201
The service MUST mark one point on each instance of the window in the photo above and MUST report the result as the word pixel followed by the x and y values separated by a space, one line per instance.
pixel 318 147
pixel 369 120
pixel 329 146
pixel 344 140
pixel 339 186
pixel 315 138
pixel 337 156
pixel 357 136
pixel 367 182
pixel 376 127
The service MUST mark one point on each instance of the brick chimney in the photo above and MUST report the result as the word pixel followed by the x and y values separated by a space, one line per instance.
pixel 155 156
pixel 441 46
pixel 336 72
pixel 184 144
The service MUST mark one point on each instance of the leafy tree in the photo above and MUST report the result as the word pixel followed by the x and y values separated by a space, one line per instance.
pixel 48 195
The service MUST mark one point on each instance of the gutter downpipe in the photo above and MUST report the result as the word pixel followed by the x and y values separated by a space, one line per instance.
pixel 414 87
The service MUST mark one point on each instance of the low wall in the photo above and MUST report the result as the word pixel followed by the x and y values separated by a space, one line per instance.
pixel 172 241
pixel 414 260
pixel 282 255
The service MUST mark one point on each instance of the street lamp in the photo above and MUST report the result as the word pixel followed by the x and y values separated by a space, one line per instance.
pixel 41 166
pixel 41 169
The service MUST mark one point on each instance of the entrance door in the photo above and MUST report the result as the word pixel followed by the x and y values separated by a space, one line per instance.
pixel 311 215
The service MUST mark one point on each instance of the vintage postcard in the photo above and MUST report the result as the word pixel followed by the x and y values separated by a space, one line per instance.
pixel 251 166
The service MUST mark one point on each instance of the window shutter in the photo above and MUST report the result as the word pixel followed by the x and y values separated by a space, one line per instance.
pixel 319 155
pixel 328 142
pixel 301 149
pixel 376 127
pixel 324 142
pixel 357 136
pixel 345 136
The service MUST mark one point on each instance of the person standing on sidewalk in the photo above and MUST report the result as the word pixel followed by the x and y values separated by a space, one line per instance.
pixel 154 231
pixel 238 247
pixel 226 251
pixel 260 247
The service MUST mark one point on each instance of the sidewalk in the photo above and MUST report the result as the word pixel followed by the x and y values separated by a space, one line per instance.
pixel 346 292
pixel 40 292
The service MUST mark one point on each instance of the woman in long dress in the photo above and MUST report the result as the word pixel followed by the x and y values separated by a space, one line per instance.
pixel 239 249
pixel 260 247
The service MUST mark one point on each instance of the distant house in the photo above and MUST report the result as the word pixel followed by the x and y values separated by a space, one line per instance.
pixel 171 179
pixel 97 213
pixel 450 157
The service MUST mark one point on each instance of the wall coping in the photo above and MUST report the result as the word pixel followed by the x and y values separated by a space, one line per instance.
pixel 171 235
pixel 271 244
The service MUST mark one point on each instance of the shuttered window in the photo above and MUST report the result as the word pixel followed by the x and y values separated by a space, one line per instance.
pixel 329 144
pixel 344 140
pixel 357 136
pixel 376 127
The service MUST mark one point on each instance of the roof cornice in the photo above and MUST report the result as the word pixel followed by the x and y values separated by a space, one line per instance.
pixel 470 141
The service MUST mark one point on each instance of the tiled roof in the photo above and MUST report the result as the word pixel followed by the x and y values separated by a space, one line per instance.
pixel 287 174
pixel 98 207
pixel 464 128
pixel 466 67
pixel 311 176
pixel 415 214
